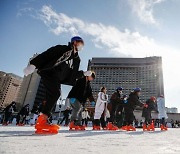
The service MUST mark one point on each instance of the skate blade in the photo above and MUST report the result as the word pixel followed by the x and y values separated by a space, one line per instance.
pixel 42 132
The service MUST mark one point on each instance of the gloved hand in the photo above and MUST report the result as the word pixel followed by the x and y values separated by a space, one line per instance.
pixel 145 105
pixel 93 103
pixel 87 73
pixel 29 69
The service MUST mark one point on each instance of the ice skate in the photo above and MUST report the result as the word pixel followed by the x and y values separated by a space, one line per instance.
pixel 96 127
pixel 150 127
pixel 20 124
pixel 105 128
pixel 131 128
pixel 163 128
pixel 43 127
pixel 124 127
pixel 82 127
pixel 4 123
pixel 72 126
pixel 46 131
pixel 110 126
pixel 144 127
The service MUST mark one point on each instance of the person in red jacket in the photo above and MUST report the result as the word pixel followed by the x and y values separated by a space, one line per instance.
pixel 57 65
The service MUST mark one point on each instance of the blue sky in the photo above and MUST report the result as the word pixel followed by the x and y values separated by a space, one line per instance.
pixel 135 28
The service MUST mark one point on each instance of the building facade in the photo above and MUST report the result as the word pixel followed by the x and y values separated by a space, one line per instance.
pixel 9 88
pixel 128 73
pixel 171 110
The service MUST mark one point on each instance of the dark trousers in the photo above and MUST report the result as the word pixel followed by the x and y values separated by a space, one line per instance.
pixel 129 116
pixel 85 121
pixel 100 121
pixel 66 118
pixel 7 116
pixel 76 112
pixel 52 87
pixel 113 112
pixel 148 119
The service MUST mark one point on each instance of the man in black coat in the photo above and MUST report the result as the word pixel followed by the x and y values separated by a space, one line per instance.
pixel 58 65
pixel 129 107
pixel 8 112
pixel 78 96
pixel 147 109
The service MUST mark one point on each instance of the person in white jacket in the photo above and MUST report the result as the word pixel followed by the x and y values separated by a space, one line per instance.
pixel 100 110
pixel 162 115
pixel 85 117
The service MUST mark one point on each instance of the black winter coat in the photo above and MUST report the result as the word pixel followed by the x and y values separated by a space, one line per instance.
pixel 81 91
pixel 133 101
pixel 147 111
pixel 116 98
pixel 24 111
pixel 10 108
pixel 59 62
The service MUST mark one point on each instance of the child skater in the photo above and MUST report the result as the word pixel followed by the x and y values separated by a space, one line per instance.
pixel 147 109
pixel 100 110
pixel 162 112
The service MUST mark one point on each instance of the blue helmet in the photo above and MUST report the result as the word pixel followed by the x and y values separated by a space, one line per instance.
pixel 124 96
pixel 137 89
pixel 77 38
pixel 119 88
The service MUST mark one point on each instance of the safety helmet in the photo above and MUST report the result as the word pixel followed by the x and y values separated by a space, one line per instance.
pixel 77 38
pixel 137 89
pixel 119 88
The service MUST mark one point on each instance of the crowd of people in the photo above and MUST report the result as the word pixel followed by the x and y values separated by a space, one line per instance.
pixel 60 65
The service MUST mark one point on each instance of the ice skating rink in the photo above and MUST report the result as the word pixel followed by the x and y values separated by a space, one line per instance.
pixel 21 140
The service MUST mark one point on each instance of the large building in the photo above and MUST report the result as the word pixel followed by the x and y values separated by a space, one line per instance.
pixel 9 88
pixel 32 90
pixel 129 73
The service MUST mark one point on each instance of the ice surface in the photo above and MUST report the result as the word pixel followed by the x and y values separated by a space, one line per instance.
pixel 22 140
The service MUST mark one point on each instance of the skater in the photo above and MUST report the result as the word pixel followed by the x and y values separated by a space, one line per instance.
pixel 162 112
pixel 115 100
pixel 85 117
pixel 21 117
pixel 132 102
pixel 58 65
pixel 146 114
pixel 66 114
pixel 78 96
pixel 8 112
pixel 100 110
pixel 120 115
